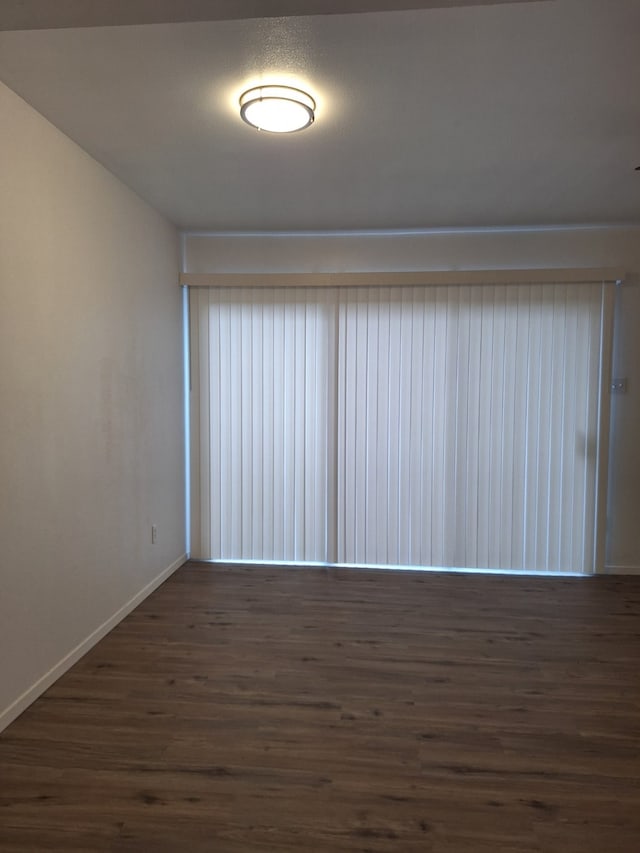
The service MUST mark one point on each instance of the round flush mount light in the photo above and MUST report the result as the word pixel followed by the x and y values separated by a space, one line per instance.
pixel 278 109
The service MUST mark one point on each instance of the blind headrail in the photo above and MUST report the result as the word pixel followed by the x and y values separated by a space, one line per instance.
pixel 406 279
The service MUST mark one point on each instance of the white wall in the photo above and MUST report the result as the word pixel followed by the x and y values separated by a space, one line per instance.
pixel 91 438
pixel 481 249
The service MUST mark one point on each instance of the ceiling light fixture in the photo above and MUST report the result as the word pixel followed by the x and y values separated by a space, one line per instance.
pixel 278 109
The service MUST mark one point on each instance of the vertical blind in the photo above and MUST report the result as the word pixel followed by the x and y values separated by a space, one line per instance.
pixel 453 426
pixel 260 396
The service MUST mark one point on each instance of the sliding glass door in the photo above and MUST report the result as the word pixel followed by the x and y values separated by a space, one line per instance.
pixel 453 426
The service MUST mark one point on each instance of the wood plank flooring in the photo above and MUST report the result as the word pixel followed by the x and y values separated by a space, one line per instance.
pixel 322 710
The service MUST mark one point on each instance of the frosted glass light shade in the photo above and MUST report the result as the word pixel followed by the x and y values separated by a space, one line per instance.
pixel 278 109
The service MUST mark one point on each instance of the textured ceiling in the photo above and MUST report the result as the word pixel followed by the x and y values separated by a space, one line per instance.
pixel 509 114
pixel 41 14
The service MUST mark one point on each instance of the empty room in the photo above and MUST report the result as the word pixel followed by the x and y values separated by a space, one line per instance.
pixel 319 456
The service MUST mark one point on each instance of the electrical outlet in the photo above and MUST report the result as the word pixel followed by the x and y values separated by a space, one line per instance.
pixel 154 534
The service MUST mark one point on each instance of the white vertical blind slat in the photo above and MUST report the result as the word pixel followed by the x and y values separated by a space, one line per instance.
pixel 407 450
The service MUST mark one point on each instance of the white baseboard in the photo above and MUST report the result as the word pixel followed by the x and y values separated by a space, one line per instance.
pixel 29 696
pixel 622 570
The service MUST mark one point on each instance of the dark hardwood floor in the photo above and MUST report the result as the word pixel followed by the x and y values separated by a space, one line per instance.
pixel 265 709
